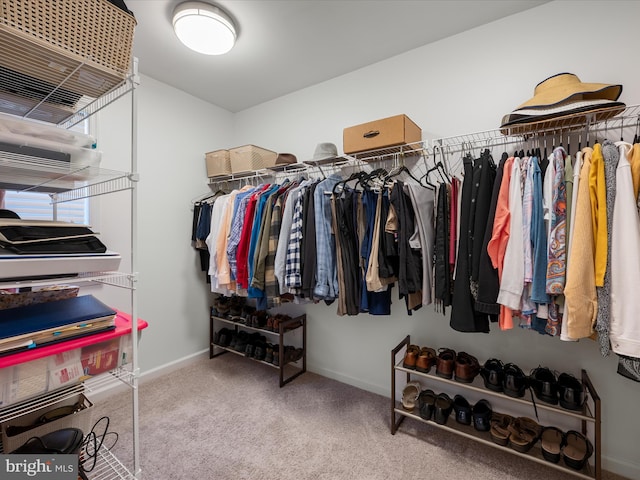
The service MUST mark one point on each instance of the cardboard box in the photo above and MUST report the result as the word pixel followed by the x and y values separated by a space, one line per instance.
pixel 81 419
pixel 218 163
pixel 248 158
pixel 379 134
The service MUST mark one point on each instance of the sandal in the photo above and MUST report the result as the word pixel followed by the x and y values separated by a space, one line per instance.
pixel 499 430
pixel 410 394
pixel 552 441
pixel 524 433
pixel 577 450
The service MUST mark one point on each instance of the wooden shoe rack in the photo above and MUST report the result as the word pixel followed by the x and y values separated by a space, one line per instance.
pixel 587 420
pixel 287 370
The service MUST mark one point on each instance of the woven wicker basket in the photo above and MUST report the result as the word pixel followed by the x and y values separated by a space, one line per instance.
pixel 249 157
pixel 82 47
pixel 95 30
pixel 218 163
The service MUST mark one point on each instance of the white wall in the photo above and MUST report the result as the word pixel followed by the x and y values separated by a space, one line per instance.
pixel 461 85
pixel 174 131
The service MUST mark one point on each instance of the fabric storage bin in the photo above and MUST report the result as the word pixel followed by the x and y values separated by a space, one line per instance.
pixel 80 419
pixel 218 163
pixel 43 42
pixel 387 132
pixel 249 157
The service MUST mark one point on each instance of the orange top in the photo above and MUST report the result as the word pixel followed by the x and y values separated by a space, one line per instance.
pixel 500 236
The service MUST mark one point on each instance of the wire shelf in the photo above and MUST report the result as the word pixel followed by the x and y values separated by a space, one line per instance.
pixel 117 279
pixel 94 106
pixel 25 173
pixel 108 467
pixel 122 374
pixel 41 401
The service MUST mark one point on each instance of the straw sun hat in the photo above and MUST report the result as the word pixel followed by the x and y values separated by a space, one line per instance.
pixel 563 95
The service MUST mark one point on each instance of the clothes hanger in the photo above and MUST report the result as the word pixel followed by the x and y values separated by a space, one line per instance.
pixel 399 170
pixel 354 176
pixel 436 167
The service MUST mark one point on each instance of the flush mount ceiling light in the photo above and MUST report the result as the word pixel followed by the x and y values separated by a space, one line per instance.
pixel 204 28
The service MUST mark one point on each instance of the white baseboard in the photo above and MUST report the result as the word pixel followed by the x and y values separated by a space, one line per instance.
pixel 356 382
pixel 172 366
pixel 619 467
pixel 146 376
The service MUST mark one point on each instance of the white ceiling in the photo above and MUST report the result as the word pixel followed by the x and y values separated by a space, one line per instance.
pixel 286 45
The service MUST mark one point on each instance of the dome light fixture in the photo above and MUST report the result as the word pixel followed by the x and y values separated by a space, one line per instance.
pixel 204 28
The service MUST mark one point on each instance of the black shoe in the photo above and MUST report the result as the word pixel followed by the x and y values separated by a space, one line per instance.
pixel 544 384
pixel 260 351
pixel 462 409
pixel 63 441
pixel 241 341
pixel 570 391
pixel 493 374
pixel 269 353
pixel 426 404
pixel 443 405
pixel 482 415
pixel 515 381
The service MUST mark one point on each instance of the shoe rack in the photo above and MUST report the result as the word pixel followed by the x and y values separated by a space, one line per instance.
pixel 589 419
pixel 288 370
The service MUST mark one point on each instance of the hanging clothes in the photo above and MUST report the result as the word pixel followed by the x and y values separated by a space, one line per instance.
pixel 326 284
pixel 216 221
pixel 464 317
pixel 512 281
pixel 624 328
pixel 410 261
pixel 484 175
pixel 497 246
pixel 308 262
pixel 422 200
pixel 556 260
pixel 489 286
pixel 376 303
pixel 571 224
pixel 580 289
pixel 442 270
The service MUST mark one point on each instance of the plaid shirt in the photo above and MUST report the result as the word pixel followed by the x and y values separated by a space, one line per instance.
pixel 293 278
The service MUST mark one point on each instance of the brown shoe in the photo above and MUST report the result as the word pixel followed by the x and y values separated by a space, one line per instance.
pixel 426 360
pixel 445 362
pixel 411 357
pixel 467 368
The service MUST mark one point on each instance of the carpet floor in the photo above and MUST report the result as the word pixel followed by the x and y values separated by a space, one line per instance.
pixel 227 419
